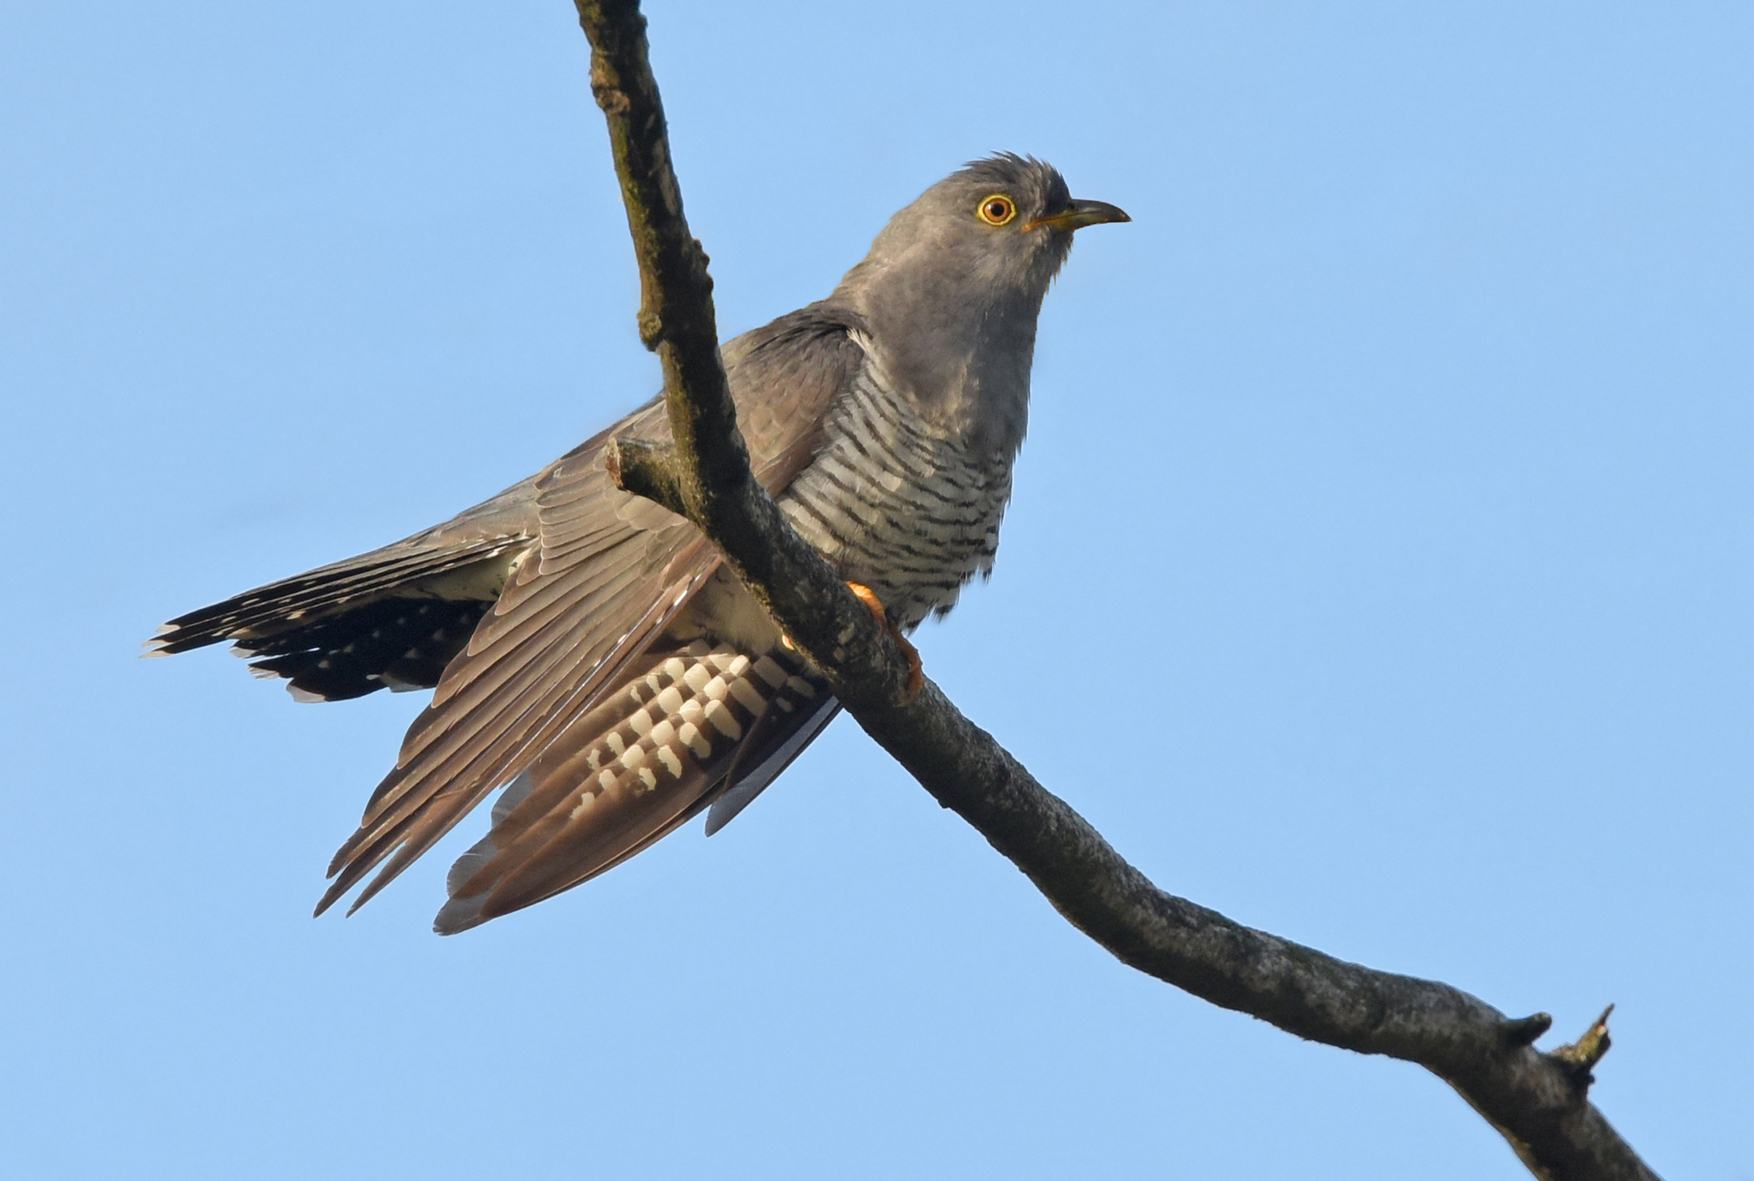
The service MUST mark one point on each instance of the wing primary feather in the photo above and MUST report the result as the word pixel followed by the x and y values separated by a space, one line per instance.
pixel 421 801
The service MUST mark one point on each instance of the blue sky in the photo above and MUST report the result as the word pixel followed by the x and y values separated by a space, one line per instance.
pixel 1379 573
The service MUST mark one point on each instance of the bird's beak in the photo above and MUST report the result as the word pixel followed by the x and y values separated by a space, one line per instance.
pixel 1078 214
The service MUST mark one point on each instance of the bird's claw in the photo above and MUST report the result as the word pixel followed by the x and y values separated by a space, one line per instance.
pixel 916 675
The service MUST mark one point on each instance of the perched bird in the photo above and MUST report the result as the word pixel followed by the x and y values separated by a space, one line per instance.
pixel 588 649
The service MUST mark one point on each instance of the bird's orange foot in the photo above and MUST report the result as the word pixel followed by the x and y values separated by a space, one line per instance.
pixel 916 675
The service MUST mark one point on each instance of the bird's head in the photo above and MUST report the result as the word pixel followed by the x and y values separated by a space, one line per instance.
pixel 997 230
pixel 953 284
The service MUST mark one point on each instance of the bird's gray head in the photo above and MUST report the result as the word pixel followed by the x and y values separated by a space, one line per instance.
pixel 953 285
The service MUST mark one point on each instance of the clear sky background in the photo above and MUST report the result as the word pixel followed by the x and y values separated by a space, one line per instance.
pixel 1380 573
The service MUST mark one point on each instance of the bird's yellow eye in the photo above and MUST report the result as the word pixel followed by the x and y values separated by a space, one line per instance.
pixel 997 210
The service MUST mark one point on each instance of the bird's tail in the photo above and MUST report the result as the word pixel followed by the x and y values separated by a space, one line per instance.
pixel 693 722
pixel 392 618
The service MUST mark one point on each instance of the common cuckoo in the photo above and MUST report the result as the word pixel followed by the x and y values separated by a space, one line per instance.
pixel 589 650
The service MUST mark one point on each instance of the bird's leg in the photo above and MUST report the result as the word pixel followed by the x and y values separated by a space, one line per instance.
pixel 916 675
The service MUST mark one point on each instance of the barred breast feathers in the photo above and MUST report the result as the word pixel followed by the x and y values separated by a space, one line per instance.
pixel 899 502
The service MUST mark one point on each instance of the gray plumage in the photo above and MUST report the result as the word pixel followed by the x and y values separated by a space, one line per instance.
pixel 586 647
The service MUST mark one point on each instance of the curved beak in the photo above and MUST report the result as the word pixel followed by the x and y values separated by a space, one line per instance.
pixel 1078 214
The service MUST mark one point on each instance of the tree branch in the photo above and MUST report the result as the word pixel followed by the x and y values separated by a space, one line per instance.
pixel 1537 1101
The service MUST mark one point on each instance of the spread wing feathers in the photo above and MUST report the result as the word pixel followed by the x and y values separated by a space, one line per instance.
pixel 691 718
pixel 608 573
pixel 535 662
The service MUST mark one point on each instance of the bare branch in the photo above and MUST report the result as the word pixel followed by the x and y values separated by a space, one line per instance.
pixel 1538 1101
pixel 646 469
pixel 707 474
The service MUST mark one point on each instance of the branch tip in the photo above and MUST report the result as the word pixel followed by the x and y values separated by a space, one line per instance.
pixel 1526 1031
pixel 1581 1056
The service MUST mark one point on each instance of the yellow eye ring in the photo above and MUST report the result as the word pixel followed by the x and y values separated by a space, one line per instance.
pixel 996 210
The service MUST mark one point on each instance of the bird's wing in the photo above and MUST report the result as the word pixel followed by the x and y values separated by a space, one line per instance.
pixel 578 616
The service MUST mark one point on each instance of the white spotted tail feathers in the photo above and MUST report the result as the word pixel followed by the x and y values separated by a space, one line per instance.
pixel 644 761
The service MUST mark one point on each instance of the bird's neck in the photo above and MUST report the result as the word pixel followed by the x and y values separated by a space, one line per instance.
pixel 963 367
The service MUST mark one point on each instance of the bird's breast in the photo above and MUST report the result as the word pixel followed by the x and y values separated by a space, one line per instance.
pixel 898 503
